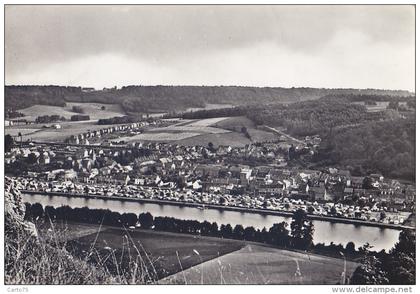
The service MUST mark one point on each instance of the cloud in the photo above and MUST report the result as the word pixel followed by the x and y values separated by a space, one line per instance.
pixel 331 46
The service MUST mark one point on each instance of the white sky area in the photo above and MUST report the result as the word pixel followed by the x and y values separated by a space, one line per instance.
pixel 276 46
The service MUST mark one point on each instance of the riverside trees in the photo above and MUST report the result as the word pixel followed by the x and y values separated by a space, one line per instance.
pixel 301 236
pixel 301 230
pixel 396 268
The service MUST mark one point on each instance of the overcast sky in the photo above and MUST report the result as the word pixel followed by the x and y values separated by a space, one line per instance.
pixel 314 46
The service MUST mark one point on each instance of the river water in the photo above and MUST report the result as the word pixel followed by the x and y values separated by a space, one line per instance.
pixel 325 232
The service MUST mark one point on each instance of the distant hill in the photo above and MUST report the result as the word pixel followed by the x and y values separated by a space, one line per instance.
pixel 173 98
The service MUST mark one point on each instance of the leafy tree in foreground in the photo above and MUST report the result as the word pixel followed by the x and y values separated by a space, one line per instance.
pixel 400 264
pixel 301 230
pixel 369 273
pixel 396 268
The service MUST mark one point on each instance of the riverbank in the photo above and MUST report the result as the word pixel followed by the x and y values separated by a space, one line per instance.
pixel 331 219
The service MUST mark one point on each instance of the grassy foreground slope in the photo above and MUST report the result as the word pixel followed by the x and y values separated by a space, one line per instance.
pixel 29 259
pixel 256 264
pixel 162 253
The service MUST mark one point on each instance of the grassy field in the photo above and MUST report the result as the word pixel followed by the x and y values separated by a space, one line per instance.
pixel 189 128
pixel 31 113
pixel 164 253
pixel 185 259
pixel 159 136
pixel 94 109
pixel 24 131
pixel 234 123
pixel 91 109
pixel 233 139
pixel 206 122
pixel 209 106
pixel 255 264
pixel 53 135
pixel 258 135
pixel 36 132
pixel 219 131
pixel 179 131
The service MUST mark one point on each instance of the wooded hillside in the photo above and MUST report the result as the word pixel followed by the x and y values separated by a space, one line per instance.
pixel 171 98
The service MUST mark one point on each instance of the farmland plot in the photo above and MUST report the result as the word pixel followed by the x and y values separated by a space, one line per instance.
pixel 189 128
pixel 24 131
pixel 159 136
pixel 255 264
pixel 31 113
pixel 95 111
pixel 207 122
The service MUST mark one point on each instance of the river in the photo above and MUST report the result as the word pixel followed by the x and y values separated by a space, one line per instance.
pixel 325 232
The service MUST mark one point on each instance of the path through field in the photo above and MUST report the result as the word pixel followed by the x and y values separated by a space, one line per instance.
pixel 255 264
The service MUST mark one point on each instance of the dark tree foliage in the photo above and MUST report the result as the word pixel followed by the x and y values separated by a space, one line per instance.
pixel 37 211
pixel 367 183
pixel 128 219
pixel 370 98
pixel 350 248
pixel 127 119
pixel 170 98
pixel 18 97
pixel 369 273
pixel 79 117
pixel 393 105
pixel 238 232
pixel 146 220
pixel 210 113
pixel 49 119
pixel 50 212
pixel 214 229
pixel 396 268
pixel 279 235
pixel 250 233
pixel 310 117
pixel 226 231
pixel 10 113
pixel 8 142
pixel 32 159
pixel 301 230
pixel 77 109
pixel 386 147
pixel 400 264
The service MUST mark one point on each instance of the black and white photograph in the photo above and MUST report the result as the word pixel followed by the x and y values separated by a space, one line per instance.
pixel 200 144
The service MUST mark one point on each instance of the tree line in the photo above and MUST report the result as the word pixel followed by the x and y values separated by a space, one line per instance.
pixel 49 119
pixel 79 117
pixel 127 119
pixel 169 98
pixel 298 236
